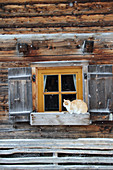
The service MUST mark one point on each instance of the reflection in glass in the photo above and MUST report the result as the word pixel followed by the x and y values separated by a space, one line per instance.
pixel 51 102
pixel 50 83
pixel 68 82
pixel 67 97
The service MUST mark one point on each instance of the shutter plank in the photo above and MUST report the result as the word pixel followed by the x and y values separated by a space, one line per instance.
pixel 92 92
pixel 19 72
pixel 101 104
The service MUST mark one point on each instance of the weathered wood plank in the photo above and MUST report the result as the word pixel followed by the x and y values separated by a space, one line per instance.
pixel 67 151
pixel 45 58
pixel 97 130
pixel 6 65
pixel 60 15
pixel 43 1
pixel 40 167
pixel 59 48
pixel 98 115
pixel 71 29
pixel 59 119
pixel 57 143
pixel 63 146
pixel 59 36
pixel 93 58
pixel 95 20
pixel 62 151
pixel 77 159
pixel 56 9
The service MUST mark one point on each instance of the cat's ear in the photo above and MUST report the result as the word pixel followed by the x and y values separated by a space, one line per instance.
pixel 64 100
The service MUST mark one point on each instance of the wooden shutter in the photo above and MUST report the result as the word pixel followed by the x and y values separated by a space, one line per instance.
pixel 100 88
pixel 20 90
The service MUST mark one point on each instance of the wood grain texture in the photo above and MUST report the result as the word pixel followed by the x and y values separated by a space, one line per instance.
pixel 68 46
pixel 20 127
pixel 55 16
pixel 3 89
pixel 50 24
pixel 100 87
pixel 56 153
pixel 20 90
pixel 59 119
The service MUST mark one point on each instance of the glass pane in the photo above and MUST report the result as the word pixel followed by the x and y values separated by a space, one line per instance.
pixel 51 103
pixel 67 97
pixel 68 82
pixel 50 83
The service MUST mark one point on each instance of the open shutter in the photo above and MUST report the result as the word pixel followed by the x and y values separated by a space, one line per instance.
pixel 100 83
pixel 20 90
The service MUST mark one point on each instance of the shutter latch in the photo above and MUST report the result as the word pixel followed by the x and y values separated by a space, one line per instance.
pixel 85 76
pixel 33 78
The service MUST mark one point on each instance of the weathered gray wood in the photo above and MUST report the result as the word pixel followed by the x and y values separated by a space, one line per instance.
pixel 85 143
pixel 95 153
pixel 100 87
pixel 60 167
pixel 87 10
pixel 77 146
pixel 19 72
pixel 77 159
pixel 20 90
pixel 100 91
pixel 57 36
pixel 59 119
pixel 104 69
pixel 82 63
pixel 64 151
pixel 52 141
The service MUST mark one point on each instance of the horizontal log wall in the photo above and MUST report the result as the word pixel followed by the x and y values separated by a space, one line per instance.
pixel 19 126
pixel 46 47
pixel 53 30
pixel 56 16
pixel 24 130
pixel 88 153
pixel 41 16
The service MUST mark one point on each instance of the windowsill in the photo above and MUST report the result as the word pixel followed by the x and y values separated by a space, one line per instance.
pixel 59 118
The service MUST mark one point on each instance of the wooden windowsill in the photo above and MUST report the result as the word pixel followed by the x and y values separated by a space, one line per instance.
pixel 59 118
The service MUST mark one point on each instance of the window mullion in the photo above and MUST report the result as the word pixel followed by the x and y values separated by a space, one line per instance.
pixel 60 99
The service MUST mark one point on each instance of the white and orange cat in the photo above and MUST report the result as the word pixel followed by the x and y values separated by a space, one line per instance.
pixel 76 106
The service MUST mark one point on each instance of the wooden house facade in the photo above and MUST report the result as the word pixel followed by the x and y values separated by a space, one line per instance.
pixel 45 40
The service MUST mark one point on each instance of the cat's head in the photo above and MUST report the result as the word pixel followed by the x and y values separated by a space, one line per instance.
pixel 66 103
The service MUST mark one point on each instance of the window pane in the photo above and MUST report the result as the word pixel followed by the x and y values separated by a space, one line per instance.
pixel 68 82
pixel 50 83
pixel 51 103
pixel 67 97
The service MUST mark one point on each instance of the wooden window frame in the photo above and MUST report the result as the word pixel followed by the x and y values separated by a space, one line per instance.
pixel 57 65
pixel 58 118
pixel 58 71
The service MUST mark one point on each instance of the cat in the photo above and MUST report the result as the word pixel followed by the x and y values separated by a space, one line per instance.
pixel 76 106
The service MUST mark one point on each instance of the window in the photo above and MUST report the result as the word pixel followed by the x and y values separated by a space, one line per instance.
pixel 55 85
pixel 39 91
